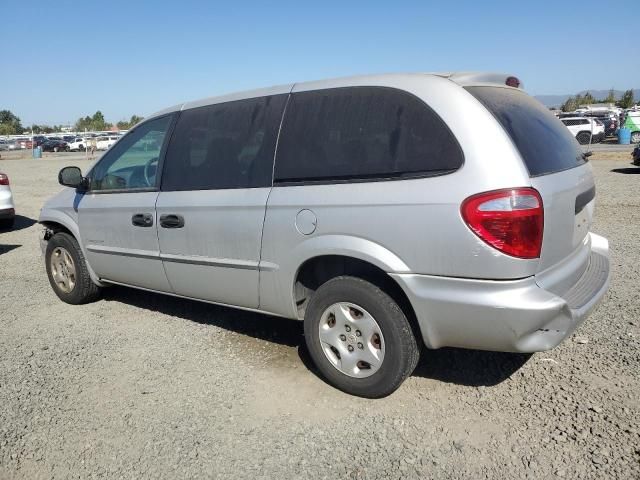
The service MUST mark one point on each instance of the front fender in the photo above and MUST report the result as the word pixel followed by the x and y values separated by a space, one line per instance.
pixel 68 219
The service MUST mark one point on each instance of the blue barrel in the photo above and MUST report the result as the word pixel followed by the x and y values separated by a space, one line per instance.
pixel 37 152
pixel 624 136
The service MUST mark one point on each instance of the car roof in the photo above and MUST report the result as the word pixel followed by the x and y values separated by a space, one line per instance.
pixel 461 78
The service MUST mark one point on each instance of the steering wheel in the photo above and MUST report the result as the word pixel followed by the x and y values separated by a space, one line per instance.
pixel 148 176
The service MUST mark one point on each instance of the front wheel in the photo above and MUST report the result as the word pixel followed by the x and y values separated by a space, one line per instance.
pixel 359 338
pixel 67 270
pixel 635 137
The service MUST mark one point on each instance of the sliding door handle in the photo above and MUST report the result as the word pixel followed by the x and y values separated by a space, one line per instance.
pixel 142 220
pixel 171 221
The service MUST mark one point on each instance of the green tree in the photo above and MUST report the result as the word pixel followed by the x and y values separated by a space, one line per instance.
pixel 611 97
pixel 570 105
pixel 9 123
pixel 98 121
pixel 587 99
pixel 126 125
pixel 94 123
pixel 83 124
pixel 627 100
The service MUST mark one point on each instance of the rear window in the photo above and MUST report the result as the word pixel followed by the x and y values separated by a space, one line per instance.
pixel 362 133
pixel 545 144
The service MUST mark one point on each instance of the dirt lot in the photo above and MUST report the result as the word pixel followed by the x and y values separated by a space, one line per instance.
pixel 139 385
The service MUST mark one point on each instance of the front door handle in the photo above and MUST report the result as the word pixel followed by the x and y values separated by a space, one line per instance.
pixel 171 221
pixel 142 220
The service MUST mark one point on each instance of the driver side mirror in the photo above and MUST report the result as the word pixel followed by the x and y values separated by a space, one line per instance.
pixel 72 177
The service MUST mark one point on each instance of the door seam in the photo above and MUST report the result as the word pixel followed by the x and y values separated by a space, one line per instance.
pixel 155 215
pixel 266 204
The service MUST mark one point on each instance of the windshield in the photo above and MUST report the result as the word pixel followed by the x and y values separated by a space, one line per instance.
pixel 545 144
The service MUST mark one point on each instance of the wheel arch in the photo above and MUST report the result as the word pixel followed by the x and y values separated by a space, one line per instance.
pixel 56 222
pixel 319 269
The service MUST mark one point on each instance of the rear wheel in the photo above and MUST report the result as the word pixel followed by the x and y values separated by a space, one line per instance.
pixel 635 137
pixel 583 138
pixel 67 270
pixel 359 338
pixel 55 149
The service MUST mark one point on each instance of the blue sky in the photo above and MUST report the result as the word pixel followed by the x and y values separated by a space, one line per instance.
pixel 66 59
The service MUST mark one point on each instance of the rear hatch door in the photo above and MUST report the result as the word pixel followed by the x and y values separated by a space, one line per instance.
pixel 558 170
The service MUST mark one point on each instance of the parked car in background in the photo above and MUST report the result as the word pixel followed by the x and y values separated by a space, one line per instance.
pixel 632 122
pixel 104 143
pixel 325 213
pixel 586 130
pixel 68 138
pixel 55 146
pixel 4 145
pixel 609 120
pixel 77 144
pixel 7 208
pixel 25 143
pixel 39 140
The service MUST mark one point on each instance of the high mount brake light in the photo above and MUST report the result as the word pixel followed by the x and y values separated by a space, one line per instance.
pixel 510 220
pixel 512 82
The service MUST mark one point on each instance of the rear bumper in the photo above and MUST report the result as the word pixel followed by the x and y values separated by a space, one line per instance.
pixel 511 316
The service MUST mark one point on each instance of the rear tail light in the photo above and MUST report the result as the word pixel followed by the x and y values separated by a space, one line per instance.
pixel 510 220
pixel 4 180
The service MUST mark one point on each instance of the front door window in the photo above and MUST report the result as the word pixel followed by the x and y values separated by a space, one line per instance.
pixel 132 163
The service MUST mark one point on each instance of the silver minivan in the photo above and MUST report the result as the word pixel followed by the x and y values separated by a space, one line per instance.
pixel 387 212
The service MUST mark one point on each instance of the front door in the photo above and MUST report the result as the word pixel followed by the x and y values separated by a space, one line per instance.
pixel 117 216
pixel 215 184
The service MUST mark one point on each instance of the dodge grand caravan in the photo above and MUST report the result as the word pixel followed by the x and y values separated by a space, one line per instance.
pixel 386 212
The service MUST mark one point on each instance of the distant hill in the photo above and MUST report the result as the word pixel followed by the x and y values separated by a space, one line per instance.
pixel 557 100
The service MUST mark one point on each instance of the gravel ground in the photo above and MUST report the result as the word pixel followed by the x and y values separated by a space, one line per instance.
pixel 138 385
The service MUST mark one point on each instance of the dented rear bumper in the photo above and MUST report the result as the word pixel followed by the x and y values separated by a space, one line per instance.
pixel 513 315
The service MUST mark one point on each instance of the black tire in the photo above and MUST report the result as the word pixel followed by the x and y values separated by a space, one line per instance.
pixel 635 137
pixel 401 349
pixel 66 149
pixel 583 138
pixel 84 291
pixel 7 223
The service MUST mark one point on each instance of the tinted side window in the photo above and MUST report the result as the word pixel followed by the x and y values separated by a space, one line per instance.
pixel 228 145
pixel 362 133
